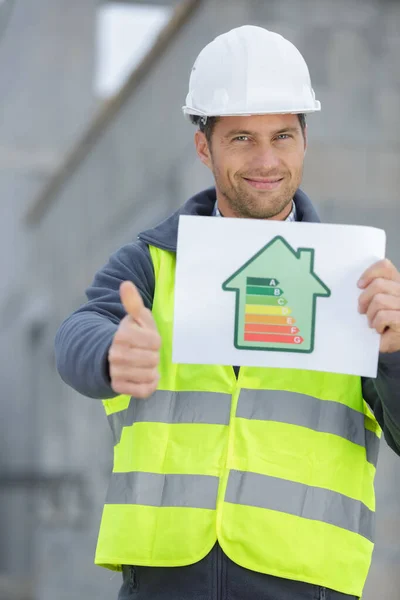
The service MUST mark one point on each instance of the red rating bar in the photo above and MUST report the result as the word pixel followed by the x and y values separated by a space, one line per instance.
pixel 272 338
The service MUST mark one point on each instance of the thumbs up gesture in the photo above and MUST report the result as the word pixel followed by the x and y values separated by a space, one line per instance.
pixel 134 353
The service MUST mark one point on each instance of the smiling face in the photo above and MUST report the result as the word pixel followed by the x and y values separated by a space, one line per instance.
pixel 257 163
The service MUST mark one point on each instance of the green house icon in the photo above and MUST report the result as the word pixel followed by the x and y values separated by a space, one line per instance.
pixel 276 299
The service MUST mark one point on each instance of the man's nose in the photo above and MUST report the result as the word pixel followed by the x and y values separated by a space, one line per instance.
pixel 266 157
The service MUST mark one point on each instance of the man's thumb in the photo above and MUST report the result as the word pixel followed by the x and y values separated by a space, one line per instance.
pixel 131 300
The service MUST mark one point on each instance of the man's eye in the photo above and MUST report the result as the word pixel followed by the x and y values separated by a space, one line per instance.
pixel 283 136
pixel 241 138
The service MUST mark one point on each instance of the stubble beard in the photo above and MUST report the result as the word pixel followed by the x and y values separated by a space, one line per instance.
pixel 247 204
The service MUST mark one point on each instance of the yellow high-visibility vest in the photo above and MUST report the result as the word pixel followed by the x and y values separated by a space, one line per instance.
pixel 278 465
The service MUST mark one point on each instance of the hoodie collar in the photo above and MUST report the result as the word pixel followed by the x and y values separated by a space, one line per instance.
pixel 165 234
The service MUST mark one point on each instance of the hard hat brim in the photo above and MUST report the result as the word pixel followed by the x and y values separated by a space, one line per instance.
pixel 188 111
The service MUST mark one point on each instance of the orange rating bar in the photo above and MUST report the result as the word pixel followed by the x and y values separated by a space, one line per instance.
pixel 272 319
pixel 273 338
pixel 267 328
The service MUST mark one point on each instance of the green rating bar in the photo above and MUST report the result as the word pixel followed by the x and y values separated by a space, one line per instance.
pixel 266 300
pixel 262 281
pixel 264 291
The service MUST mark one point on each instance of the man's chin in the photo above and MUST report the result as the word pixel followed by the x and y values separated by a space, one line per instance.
pixel 255 208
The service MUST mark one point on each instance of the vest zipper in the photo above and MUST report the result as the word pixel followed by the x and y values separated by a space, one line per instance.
pixel 132 579
pixel 219 554
pixel 322 593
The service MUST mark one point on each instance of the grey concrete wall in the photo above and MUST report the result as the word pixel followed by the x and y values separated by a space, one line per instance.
pixel 141 168
pixel 46 69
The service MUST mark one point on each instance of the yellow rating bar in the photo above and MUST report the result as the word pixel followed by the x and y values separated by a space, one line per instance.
pixel 256 309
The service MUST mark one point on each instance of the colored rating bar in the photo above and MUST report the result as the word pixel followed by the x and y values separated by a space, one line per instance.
pixel 272 319
pixel 256 309
pixel 261 281
pixel 264 291
pixel 273 338
pixel 266 300
pixel 262 328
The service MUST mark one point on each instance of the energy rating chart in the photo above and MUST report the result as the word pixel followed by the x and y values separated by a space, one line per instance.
pixel 276 299
pixel 267 314
pixel 280 296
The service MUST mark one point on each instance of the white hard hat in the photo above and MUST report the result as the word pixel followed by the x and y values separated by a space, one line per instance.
pixel 250 71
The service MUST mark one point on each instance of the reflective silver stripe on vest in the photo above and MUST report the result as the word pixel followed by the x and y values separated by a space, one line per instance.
pixel 210 408
pixel 306 411
pixel 153 489
pixel 372 444
pixel 116 422
pixel 317 504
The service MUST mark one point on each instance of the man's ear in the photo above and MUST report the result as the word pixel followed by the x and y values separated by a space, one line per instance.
pixel 202 148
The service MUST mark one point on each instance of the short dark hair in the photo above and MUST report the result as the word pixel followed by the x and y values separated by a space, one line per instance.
pixel 207 124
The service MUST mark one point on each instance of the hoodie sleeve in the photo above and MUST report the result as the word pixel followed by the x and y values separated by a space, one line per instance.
pixel 84 338
pixel 383 396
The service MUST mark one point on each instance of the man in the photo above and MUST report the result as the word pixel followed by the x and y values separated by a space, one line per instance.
pixel 206 501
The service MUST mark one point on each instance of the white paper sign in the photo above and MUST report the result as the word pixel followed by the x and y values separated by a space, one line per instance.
pixel 274 294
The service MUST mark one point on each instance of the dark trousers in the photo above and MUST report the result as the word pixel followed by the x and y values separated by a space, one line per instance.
pixel 215 577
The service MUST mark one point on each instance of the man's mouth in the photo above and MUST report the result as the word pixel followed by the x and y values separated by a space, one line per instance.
pixel 264 183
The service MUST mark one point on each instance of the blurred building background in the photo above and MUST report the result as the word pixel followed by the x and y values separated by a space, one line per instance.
pixel 94 148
